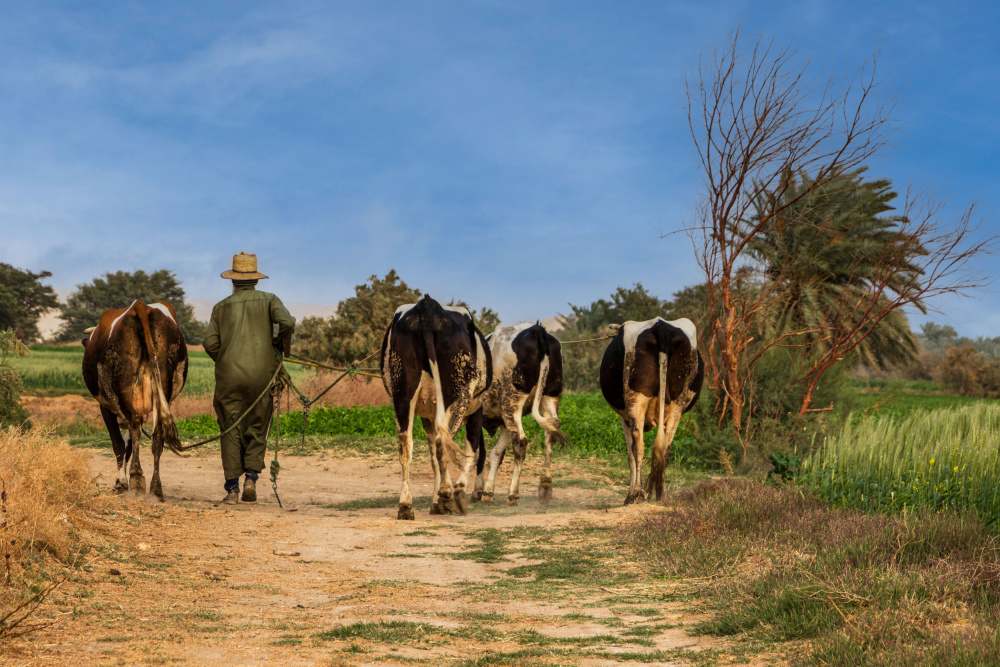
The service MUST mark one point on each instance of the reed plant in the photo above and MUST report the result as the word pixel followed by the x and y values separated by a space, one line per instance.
pixel 937 459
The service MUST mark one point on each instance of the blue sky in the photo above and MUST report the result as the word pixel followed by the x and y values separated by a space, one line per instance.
pixel 518 155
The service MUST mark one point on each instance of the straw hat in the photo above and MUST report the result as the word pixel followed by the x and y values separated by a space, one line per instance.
pixel 244 268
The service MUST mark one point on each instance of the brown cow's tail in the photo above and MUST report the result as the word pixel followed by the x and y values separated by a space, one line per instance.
pixel 165 420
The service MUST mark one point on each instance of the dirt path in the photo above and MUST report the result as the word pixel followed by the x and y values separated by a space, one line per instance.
pixel 328 580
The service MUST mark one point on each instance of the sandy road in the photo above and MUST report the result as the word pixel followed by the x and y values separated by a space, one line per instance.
pixel 189 581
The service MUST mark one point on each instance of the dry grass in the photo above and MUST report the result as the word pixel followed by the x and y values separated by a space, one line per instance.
pixel 860 588
pixel 362 392
pixel 48 504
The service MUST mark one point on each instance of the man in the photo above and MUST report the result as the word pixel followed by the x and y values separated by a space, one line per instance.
pixel 240 341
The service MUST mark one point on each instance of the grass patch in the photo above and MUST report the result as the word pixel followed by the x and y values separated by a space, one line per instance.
pixel 491 549
pixel 565 562
pixel 406 632
pixel 788 567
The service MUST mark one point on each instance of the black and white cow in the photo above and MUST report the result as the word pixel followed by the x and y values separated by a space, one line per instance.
pixel 650 375
pixel 436 366
pixel 527 377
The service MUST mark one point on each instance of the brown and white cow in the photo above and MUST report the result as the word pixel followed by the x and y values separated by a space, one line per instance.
pixel 435 365
pixel 135 364
pixel 650 375
pixel 527 377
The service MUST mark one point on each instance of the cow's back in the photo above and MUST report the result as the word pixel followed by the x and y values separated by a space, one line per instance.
pixel 116 363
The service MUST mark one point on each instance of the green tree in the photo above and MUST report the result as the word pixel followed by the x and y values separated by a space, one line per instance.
pixel 361 320
pixel 690 302
pixel 936 338
pixel 824 251
pixel 581 366
pixel 23 299
pixel 486 319
pixel 11 410
pixel 635 303
pixel 118 290
pixel 360 323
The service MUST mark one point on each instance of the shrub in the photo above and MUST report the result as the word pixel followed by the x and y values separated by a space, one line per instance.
pixel 11 411
pixel 48 497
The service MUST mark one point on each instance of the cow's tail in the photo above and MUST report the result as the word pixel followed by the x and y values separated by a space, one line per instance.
pixel 549 424
pixel 165 420
pixel 658 461
pixel 440 423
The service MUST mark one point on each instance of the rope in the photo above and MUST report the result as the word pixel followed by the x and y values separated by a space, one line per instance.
pixel 353 368
pixel 275 465
pixel 588 340
pixel 270 383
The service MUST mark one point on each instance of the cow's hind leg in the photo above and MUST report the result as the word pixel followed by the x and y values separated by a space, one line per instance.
pixel 443 487
pixel 477 494
pixel 519 447
pixel 661 450
pixel 121 448
pixel 157 448
pixel 138 481
pixel 473 445
pixel 549 409
pixel 633 424
pixel 432 447
pixel 404 410
pixel 496 458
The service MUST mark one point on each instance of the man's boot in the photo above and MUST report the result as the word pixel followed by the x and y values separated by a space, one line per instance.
pixel 249 491
pixel 231 498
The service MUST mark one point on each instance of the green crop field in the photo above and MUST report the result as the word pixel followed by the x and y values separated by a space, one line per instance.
pixel 58 370
pixel 593 428
pixel 934 459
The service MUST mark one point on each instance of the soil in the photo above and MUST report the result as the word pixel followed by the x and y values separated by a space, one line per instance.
pixel 191 581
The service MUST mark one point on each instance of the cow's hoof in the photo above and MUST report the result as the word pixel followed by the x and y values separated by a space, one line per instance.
pixel 119 488
pixel 477 496
pixel 138 484
pixel 405 513
pixel 545 489
pixel 435 509
pixel 512 500
pixel 486 498
pixel 461 502
pixel 157 490
pixel 447 504
pixel 637 497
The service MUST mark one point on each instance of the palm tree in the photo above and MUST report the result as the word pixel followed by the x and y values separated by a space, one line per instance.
pixel 823 254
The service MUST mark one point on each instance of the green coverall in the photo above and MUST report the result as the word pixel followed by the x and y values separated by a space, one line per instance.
pixel 240 342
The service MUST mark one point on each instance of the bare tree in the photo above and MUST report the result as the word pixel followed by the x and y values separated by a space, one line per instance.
pixel 938 254
pixel 756 119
